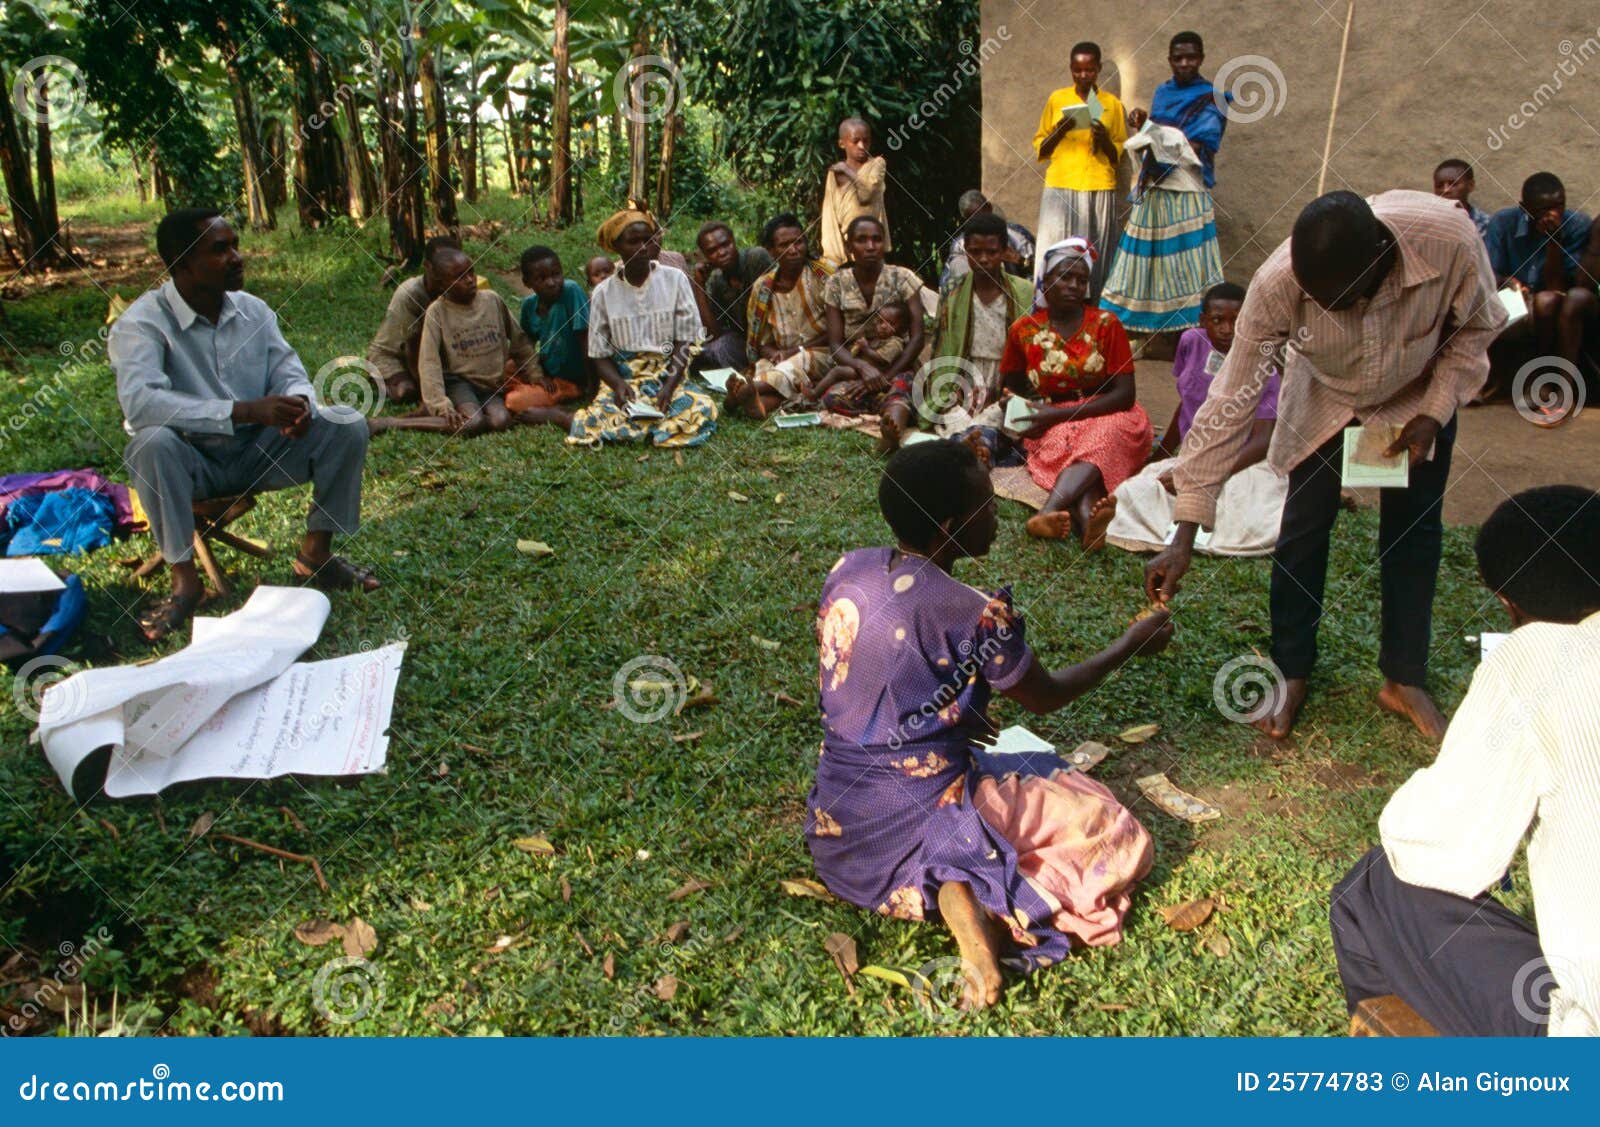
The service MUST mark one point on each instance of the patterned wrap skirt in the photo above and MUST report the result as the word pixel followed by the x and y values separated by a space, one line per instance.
pixel 1167 259
pixel 1048 851
pixel 1116 444
pixel 691 416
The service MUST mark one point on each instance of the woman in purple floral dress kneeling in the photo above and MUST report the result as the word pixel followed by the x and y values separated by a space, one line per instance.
pixel 1019 855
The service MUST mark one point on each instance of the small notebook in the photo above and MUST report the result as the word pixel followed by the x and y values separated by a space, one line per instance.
pixel 1214 361
pixel 1018 413
pixel 918 436
pixel 717 379
pixel 641 410
pixel 1366 467
pixel 1516 305
pixel 799 419
pixel 1487 644
pixel 26 576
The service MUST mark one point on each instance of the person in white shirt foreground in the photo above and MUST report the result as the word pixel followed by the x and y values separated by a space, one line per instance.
pixel 1523 750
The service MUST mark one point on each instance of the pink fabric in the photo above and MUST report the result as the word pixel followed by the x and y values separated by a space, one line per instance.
pixel 1080 847
pixel 1117 444
pixel 13 486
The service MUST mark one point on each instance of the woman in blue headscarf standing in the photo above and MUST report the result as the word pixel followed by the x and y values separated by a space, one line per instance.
pixel 1168 255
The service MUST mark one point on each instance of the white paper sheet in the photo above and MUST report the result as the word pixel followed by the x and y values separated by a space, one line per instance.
pixel 1488 643
pixel 1516 306
pixel 716 378
pixel 1017 740
pixel 27 575
pixel 1166 143
pixel 172 720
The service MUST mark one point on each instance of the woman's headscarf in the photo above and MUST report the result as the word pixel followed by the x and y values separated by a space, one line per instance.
pixel 1068 249
pixel 606 236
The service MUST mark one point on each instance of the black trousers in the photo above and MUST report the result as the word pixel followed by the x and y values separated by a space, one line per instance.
pixel 1410 533
pixel 1472 967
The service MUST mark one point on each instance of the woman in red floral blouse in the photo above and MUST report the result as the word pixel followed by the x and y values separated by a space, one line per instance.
pixel 1085 433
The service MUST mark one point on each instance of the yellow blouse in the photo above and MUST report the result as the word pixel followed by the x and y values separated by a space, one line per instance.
pixel 1076 163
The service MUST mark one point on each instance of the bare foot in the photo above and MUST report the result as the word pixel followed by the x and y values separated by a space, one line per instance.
pixel 888 433
pixel 1094 533
pixel 1051 526
pixel 1415 705
pixel 980 448
pixel 980 952
pixel 1281 722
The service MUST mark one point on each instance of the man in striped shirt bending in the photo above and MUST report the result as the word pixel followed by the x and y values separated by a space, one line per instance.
pixel 1382 311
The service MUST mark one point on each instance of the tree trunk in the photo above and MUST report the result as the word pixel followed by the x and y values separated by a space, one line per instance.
pixel 671 125
pixel 440 188
pixel 251 157
pixel 274 151
pixel 159 177
pixel 138 175
pixel 45 167
pixel 402 187
pixel 33 242
pixel 511 148
pixel 638 126
pixel 469 163
pixel 561 121
pixel 358 161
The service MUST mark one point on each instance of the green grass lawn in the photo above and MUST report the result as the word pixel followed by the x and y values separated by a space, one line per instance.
pixel 501 730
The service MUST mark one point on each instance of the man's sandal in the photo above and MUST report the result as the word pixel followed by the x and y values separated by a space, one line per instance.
pixel 167 614
pixel 335 574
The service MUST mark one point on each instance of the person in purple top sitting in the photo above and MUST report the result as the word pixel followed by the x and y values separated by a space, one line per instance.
pixel 1251 505
pixel 1020 855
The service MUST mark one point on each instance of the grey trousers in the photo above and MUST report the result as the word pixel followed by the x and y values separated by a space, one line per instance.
pixel 171 473
pixel 1063 213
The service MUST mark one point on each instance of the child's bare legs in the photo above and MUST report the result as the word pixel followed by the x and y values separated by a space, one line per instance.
pixel 836 375
pixel 534 416
pixel 753 397
pixel 978 941
pixel 1078 499
pixel 893 422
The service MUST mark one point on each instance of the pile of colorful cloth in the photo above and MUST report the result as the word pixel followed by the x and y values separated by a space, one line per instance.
pixel 64 511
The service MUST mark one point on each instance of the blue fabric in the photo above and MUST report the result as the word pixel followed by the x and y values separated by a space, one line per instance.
pixel 1516 248
pixel 72 607
pixel 1193 109
pixel 68 522
pixel 555 332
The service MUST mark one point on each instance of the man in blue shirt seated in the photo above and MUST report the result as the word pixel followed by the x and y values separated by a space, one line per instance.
pixel 1551 256
pixel 218 404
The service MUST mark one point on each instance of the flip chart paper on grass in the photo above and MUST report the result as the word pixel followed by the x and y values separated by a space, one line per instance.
pixel 27 576
pixel 1366 467
pixel 231 704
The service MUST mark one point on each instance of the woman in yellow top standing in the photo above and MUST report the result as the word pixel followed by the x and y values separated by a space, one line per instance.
pixel 1080 179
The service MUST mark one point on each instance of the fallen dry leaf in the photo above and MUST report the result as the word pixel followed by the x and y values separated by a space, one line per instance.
pixel 566 891
pixel 677 457
pixel 1188 915
pixel 535 548
pixel 784 698
pixel 735 495
pixel 315 933
pixel 666 987
pixel 687 737
pixel 1137 735
pixel 202 824
pixel 778 500
pixel 1218 944
pixel 608 966
pixel 843 950
pixel 704 697
pixel 769 475
pixel 805 886
pixel 537 844
pixel 1113 1007
pixel 733 936
pixel 359 939
pixel 501 944
pixel 765 643
pixel 687 889
pixel 677 933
